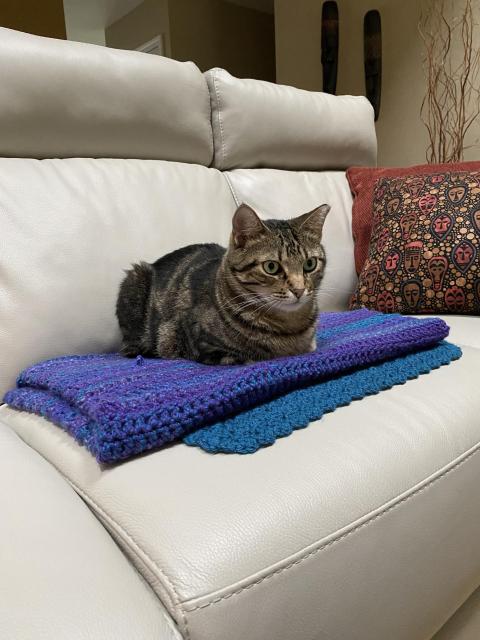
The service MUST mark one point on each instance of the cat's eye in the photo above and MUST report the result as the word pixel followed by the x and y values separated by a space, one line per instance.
pixel 272 267
pixel 310 264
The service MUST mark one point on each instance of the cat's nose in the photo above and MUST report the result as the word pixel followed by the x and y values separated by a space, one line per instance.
pixel 298 292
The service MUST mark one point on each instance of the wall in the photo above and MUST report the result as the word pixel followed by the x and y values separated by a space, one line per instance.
pixel 402 137
pixel 214 33
pixel 84 21
pixel 93 35
pixel 26 15
pixel 145 22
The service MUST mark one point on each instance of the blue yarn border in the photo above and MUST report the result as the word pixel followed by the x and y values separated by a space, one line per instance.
pixel 262 425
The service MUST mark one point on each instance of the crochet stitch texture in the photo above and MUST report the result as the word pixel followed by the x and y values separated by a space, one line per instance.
pixel 119 407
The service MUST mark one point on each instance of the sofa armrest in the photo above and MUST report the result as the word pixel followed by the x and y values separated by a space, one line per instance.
pixel 61 575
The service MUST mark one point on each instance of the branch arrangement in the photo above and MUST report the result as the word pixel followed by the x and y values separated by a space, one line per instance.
pixel 452 100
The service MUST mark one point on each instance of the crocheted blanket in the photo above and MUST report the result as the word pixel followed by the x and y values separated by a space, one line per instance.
pixel 119 407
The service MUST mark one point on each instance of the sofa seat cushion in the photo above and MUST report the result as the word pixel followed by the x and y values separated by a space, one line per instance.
pixel 464 330
pixel 311 537
pixel 465 623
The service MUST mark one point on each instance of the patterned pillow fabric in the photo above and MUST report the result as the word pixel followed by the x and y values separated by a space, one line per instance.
pixel 362 184
pixel 424 252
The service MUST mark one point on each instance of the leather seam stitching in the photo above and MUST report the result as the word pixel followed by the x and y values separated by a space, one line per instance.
pixel 210 121
pixel 173 596
pixel 169 623
pixel 165 614
pixel 232 190
pixel 219 117
pixel 168 620
pixel 340 538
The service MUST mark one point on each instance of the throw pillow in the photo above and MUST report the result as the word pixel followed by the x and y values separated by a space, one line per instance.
pixel 424 252
pixel 362 184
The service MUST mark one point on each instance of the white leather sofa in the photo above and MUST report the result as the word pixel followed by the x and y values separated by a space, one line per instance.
pixel 364 526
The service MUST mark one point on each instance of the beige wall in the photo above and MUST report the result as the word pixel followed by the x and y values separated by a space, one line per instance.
pixel 402 137
pixel 214 33
pixel 144 23
pixel 41 18
pixel 82 23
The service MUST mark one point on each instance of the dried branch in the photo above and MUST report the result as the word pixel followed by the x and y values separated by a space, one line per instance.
pixel 451 104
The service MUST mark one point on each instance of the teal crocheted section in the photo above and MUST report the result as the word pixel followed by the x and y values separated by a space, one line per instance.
pixel 261 426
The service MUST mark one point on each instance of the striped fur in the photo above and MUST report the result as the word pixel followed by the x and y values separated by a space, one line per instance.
pixel 216 305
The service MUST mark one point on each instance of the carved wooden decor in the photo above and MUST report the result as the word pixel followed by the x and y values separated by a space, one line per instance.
pixel 330 46
pixel 372 35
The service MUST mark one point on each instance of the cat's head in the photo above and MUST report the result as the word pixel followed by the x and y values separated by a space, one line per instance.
pixel 280 260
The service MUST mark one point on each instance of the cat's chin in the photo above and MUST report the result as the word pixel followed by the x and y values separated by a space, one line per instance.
pixel 294 305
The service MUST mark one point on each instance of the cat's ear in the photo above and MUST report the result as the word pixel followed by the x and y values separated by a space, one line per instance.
pixel 245 224
pixel 313 220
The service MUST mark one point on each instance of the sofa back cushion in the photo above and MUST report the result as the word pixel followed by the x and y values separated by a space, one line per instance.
pixel 70 99
pixel 260 124
pixel 69 229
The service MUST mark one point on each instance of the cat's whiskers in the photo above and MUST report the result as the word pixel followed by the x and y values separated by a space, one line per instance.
pixel 270 304
pixel 252 309
pixel 250 298
pixel 238 309
pixel 274 304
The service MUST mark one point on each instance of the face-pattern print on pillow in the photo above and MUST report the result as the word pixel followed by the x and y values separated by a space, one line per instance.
pixel 424 254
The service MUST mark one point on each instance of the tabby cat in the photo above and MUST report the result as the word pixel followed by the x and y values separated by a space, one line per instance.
pixel 253 301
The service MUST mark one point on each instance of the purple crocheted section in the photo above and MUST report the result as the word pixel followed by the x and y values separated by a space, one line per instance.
pixel 119 407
